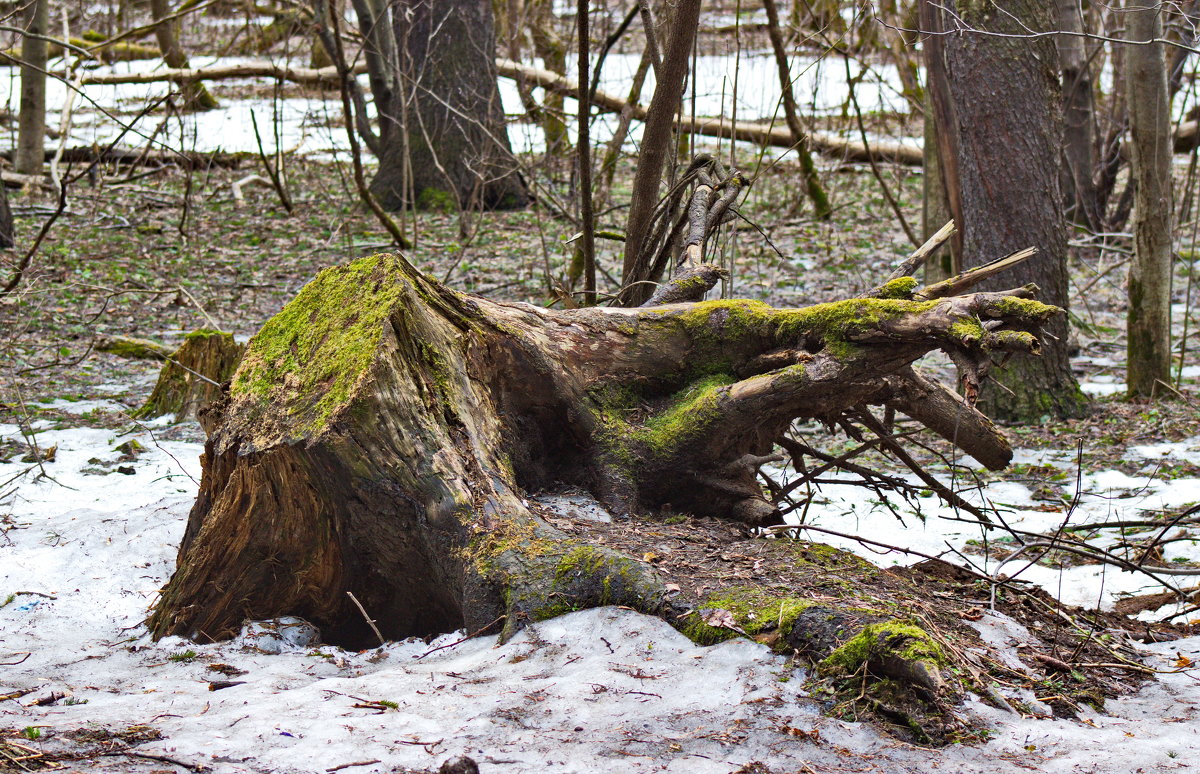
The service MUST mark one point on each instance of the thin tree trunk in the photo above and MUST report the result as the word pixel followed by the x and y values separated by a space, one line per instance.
pixel 584 147
pixel 195 95
pixel 31 121
pixel 1149 318
pixel 808 170
pixel 1078 114
pixel 935 211
pixel 8 237
pixel 656 149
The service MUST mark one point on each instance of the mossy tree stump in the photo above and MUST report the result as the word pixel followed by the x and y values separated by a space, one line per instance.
pixel 192 375
pixel 381 432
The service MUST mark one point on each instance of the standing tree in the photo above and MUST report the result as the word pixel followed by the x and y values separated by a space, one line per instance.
pixel 8 236
pixel 1078 112
pixel 166 31
pixel 31 121
pixel 1149 319
pixel 998 107
pixel 442 139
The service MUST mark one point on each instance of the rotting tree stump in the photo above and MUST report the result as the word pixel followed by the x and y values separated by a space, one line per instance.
pixel 192 375
pixel 381 431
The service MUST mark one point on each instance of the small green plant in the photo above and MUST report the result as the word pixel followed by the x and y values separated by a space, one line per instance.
pixel 389 704
pixel 183 657
pixel 71 701
pixel 32 733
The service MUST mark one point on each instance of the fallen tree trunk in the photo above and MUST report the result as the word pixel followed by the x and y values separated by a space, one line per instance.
pixel 381 432
pixel 381 440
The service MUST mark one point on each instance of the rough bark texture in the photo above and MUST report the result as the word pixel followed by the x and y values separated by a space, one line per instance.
pixel 1149 320
pixel 381 432
pixel 192 375
pixel 1000 133
pixel 656 150
pixel 441 114
pixel 31 121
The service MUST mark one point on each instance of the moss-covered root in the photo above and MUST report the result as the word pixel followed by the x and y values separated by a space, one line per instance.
pixel 193 374
pixel 538 573
pixel 894 649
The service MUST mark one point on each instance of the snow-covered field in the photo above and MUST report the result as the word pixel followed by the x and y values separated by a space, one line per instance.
pixel 84 552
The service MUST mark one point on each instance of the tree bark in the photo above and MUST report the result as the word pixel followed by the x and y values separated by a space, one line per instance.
pixel 1078 114
pixel 812 182
pixel 31 121
pixel 656 150
pixel 1000 96
pixel 1148 323
pixel 441 116
pixel 381 432
pixel 8 235
pixel 195 95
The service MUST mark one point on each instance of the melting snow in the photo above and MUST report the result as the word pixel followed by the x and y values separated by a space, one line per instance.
pixel 595 691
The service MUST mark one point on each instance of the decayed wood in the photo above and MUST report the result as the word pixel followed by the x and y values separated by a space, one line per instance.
pixel 381 431
pixel 192 375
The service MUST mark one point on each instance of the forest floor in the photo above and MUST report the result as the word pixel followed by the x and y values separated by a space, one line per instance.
pixel 157 254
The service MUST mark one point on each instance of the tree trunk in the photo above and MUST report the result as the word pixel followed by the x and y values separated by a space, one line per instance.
pixel 1000 96
pixel 31 121
pixel 445 120
pixel 1149 319
pixel 195 96
pixel 381 432
pixel 1079 134
pixel 812 183
pixel 935 211
pixel 636 275
pixel 8 235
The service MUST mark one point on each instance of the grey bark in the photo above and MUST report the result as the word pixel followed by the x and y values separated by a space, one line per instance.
pixel 1000 133
pixel 1149 319
pixel 31 121
pixel 656 149
pixel 442 118
pixel 1078 115
pixel 7 234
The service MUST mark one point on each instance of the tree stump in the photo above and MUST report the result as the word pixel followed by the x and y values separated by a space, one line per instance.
pixel 381 432
pixel 192 375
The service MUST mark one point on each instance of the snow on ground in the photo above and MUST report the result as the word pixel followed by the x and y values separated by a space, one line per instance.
pixel 598 690
pixel 312 125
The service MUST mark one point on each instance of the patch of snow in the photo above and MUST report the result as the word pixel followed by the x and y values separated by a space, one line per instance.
pixel 594 691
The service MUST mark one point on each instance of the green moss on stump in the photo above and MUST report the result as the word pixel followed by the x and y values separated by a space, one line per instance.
pixel 323 342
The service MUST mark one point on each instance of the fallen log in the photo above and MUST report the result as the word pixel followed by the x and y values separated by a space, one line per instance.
pixel 749 131
pixel 381 431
